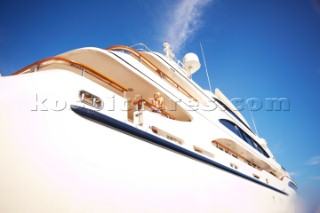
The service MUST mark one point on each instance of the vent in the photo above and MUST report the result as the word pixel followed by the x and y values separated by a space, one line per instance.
pixel 90 99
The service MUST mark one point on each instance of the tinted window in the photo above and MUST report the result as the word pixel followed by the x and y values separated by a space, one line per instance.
pixel 293 186
pixel 232 127
pixel 257 147
pixel 236 130
pixel 254 144
pixel 247 139
pixel 261 150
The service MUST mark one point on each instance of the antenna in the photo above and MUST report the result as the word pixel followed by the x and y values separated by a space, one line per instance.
pixel 205 66
pixel 168 51
pixel 252 119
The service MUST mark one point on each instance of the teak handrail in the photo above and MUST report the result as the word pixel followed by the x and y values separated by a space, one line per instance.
pixel 75 64
pixel 151 65
pixel 149 104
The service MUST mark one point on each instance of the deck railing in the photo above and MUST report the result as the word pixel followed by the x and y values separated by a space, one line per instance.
pixel 142 102
pixel 84 68
pixel 152 66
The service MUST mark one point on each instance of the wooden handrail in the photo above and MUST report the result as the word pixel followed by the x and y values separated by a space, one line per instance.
pixel 149 104
pixel 151 65
pixel 78 65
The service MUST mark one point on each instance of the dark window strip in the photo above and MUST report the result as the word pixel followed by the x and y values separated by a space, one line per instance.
pixel 244 136
pixel 293 186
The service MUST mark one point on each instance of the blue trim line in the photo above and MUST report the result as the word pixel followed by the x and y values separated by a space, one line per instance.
pixel 123 127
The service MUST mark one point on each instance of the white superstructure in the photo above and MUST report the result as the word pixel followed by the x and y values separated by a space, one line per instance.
pixel 78 134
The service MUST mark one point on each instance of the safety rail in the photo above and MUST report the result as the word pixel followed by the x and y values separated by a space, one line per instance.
pixel 140 103
pixel 84 68
pixel 152 66
pixel 144 48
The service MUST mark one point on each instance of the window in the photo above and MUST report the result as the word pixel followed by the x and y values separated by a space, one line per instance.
pixel 254 144
pixel 247 139
pixel 256 176
pixel 239 132
pixel 261 150
pixel 233 165
pixel 292 186
pixel 232 127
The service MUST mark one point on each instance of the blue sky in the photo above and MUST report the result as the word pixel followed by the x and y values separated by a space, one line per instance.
pixel 253 49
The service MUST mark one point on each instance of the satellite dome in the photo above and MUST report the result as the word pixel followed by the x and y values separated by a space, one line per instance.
pixel 191 61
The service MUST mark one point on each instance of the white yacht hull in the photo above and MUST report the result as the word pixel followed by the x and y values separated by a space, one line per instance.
pixel 58 161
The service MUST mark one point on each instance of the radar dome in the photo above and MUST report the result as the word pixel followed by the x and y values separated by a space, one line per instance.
pixel 191 61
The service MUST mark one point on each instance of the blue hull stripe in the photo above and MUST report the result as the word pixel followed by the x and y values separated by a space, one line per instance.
pixel 123 127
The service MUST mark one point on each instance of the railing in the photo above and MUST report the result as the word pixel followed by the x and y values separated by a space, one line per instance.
pixel 84 68
pixel 183 68
pixel 152 67
pixel 140 103
pixel 144 48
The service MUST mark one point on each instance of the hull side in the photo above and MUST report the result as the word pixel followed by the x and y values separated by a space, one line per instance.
pixel 57 161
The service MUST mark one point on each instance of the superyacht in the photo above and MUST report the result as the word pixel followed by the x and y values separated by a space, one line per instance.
pixel 83 131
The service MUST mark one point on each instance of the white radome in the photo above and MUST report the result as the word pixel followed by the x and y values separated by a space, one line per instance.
pixel 191 61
